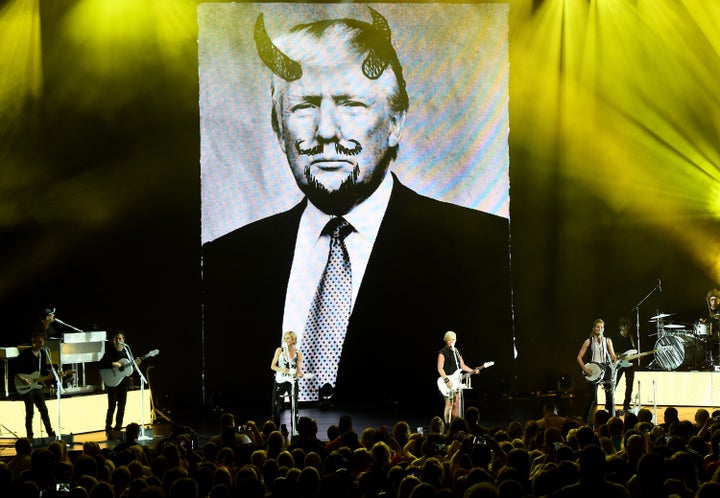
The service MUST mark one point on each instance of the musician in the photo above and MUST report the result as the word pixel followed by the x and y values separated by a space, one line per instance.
pixel 116 357
pixel 603 354
pixel 47 317
pixel 32 364
pixel 450 361
pixel 624 341
pixel 713 305
pixel 287 365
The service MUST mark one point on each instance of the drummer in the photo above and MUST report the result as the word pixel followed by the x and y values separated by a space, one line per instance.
pixel 713 305
pixel 710 326
pixel 602 354
pixel 625 343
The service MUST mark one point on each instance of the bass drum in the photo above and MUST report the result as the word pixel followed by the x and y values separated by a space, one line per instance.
pixel 679 351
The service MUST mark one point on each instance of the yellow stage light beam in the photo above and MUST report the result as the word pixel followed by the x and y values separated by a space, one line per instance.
pixel 623 101
pixel 20 57
pixel 121 48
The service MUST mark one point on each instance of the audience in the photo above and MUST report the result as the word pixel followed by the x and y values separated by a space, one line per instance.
pixel 617 458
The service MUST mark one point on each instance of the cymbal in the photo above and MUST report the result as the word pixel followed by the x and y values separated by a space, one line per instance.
pixel 661 316
pixel 674 326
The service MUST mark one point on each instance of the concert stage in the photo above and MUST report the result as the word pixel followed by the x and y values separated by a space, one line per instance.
pixel 79 414
pixel 660 388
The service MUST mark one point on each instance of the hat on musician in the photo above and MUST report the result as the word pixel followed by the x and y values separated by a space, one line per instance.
pixel 46 311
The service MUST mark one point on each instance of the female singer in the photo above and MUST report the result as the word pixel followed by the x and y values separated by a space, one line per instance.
pixel 287 365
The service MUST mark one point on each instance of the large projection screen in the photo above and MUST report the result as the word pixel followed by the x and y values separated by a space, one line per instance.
pixel 450 271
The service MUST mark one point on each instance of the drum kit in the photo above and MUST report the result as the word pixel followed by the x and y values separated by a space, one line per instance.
pixel 682 346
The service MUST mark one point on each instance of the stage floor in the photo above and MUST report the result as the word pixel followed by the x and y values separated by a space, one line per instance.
pixel 76 414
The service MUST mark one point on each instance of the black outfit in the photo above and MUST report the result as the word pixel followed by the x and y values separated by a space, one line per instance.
pixel 451 365
pixel 46 332
pixel 713 344
pixel 607 381
pixel 452 359
pixel 28 363
pixel 434 267
pixel 623 344
pixel 117 396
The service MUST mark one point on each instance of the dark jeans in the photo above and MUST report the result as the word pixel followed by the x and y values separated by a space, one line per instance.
pixel 629 380
pixel 280 390
pixel 33 398
pixel 608 384
pixel 117 396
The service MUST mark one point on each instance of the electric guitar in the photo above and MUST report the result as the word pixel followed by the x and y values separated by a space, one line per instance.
pixel 113 376
pixel 457 379
pixel 632 354
pixel 37 381
pixel 291 376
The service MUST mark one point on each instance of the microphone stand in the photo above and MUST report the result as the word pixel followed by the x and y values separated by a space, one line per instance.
pixel 636 309
pixel 143 381
pixel 293 406
pixel 69 326
pixel 58 391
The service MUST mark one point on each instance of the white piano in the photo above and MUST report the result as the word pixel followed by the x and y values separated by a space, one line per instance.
pixel 77 349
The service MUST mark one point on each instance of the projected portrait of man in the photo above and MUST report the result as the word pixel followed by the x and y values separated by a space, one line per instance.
pixel 365 270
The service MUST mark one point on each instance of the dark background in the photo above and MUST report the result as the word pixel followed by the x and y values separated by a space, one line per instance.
pixel 100 194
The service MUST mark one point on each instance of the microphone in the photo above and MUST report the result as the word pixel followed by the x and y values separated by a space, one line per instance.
pixel 121 344
pixel 60 321
pixel 659 286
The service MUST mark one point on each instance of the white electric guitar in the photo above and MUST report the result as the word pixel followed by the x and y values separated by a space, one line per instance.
pixel 457 379
pixel 113 376
pixel 291 376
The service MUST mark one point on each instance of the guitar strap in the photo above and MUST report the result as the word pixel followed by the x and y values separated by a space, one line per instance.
pixel 456 353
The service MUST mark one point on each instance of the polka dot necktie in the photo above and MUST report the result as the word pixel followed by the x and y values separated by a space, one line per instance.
pixel 329 314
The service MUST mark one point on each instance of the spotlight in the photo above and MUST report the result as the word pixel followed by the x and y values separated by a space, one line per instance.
pixel 565 386
pixel 326 394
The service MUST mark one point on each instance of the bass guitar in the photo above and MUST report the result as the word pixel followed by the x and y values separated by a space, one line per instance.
pixel 37 381
pixel 632 354
pixel 113 376
pixel 457 378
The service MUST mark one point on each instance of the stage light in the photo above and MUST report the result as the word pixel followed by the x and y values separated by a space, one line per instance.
pixel 20 57
pixel 121 47
pixel 326 395
pixel 620 100
pixel 565 385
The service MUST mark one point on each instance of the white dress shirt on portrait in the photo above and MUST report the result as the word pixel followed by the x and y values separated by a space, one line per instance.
pixel 311 253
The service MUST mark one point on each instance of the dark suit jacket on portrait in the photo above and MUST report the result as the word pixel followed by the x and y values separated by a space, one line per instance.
pixel 434 267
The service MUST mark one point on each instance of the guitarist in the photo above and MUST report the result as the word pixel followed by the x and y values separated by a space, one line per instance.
pixel 287 365
pixel 448 362
pixel 29 362
pixel 601 351
pixel 117 396
pixel 624 341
